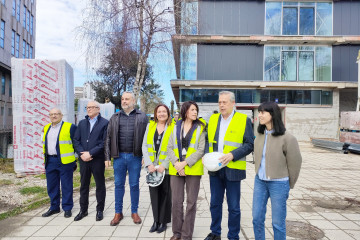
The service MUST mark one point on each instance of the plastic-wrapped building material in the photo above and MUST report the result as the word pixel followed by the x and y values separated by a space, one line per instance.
pixel 106 109
pixel 37 87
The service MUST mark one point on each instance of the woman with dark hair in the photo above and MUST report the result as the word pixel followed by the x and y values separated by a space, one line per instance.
pixel 156 161
pixel 277 166
pixel 185 150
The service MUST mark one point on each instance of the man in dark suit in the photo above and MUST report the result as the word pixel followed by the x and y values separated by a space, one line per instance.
pixel 89 144
pixel 59 162
pixel 231 133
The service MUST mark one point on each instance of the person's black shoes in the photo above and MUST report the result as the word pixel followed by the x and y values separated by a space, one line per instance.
pixel 212 236
pixel 67 214
pixel 154 227
pixel 81 215
pixel 162 227
pixel 99 215
pixel 50 212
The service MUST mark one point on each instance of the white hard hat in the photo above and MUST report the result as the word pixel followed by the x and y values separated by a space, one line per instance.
pixel 211 161
pixel 154 179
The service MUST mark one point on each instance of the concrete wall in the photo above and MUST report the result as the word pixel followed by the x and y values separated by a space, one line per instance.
pixel 348 100
pixel 346 17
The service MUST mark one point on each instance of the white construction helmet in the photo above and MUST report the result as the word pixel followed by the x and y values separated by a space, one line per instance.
pixel 154 179
pixel 211 161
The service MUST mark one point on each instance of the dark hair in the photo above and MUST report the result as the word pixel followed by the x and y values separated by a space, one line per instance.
pixel 277 123
pixel 185 107
pixel 168 121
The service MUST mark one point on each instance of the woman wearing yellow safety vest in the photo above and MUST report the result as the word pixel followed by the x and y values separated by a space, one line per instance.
pixel 154 150
pixel 185 150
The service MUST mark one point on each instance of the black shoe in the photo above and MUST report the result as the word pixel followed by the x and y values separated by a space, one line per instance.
pixel 162 227
pixel 154 227
pixel 99 215
pixel 67 214
pixel 50 212
pixel 81 215
pixel 212 236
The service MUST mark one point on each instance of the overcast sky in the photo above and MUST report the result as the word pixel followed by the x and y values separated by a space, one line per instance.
pixel 56 21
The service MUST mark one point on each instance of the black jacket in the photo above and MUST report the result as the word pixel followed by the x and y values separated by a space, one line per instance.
pixel 92 142
pixel 111 142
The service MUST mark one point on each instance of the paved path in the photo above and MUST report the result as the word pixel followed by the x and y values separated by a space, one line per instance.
pixel 326 180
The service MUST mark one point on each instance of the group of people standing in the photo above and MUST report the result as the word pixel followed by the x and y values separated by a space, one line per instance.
pixel 174 148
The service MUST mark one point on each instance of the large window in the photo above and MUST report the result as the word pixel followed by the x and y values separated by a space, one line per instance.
pixel 17 45
pixel 3 84
pixel 24 20
pixel 27 51
pixel 298 18
pixel 31 52
pixel 18 10
pixel 188 58
pixel 13 43
pixel 297 63
pixel 23 50
pixel 14 8
pixel 28 20
pixel 2 34
pixel 31 24
pixel 189 17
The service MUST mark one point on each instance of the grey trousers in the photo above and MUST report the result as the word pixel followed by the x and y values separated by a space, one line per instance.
pixel 183 226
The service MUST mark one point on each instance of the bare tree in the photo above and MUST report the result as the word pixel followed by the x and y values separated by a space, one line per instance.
pixel 141 25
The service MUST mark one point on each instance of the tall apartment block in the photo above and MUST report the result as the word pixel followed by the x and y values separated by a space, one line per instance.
pixel 17 39
pixel 300 54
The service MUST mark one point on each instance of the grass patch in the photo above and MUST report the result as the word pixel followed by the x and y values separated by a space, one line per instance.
pixel 7 165
pixel 32 190
pixel 41 176
pixel 5 182
pixel 22 209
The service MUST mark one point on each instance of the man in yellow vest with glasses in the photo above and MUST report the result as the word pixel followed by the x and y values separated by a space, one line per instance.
pixel 231 133
pixel 59 162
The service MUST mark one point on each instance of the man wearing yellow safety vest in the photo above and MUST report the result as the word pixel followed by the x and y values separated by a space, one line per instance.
pixel 231 133
pixel 59 162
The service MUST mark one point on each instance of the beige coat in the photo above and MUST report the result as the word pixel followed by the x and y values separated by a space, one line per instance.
pixel 283 157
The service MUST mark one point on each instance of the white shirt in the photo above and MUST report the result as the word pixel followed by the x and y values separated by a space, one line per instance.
pixel 52 138
pixel 224 124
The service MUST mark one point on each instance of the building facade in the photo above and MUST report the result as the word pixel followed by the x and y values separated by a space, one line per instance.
pixel 301 54
pixel 17 39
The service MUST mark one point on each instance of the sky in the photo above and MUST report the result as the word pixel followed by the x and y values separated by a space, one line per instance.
pixel 56 22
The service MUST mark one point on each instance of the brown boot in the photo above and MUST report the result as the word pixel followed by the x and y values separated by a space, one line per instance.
pixel 118 217
pixel 136 218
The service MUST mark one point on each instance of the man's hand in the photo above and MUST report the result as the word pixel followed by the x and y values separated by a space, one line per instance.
pixel 107 164
pixel 226 158
pixel 85 156
pixel 180 166
pixel 151 168
pixel 160 169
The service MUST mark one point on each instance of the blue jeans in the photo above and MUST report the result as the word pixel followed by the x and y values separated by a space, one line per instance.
pixel 218 185
pixel 278 191
pixel 127 162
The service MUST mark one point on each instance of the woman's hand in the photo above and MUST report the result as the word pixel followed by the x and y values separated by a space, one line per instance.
pixel 180 166
pixel 151 168
pixel 160 169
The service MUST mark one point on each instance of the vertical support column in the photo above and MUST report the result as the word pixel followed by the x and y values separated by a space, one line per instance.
pixel 358 100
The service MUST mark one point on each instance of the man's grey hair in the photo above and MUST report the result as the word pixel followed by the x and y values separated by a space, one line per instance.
pixel 231 94
pixel 132 94
pixel 57 109
pixel 97 104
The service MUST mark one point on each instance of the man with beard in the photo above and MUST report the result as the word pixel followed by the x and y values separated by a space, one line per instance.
pixel 124 138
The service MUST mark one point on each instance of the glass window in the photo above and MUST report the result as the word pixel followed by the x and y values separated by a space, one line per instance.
pixel 27 51
pixel 272 63
pixel 244 96
pixel 10 112
pixel 189 17
pixel 290 21
pixel 312 96
pixel 31 24
pixel 190 95
pixel 2 111
pixel 188 58
pixel 288 65
pixel 3 2
pixel 294 96
pixel 23 51
pixel 18 10
pixel 28 20
pixel 306 66
pixel 273 18
pixel 17 45
pixel 210 95
pixel 264 95
pixel 31 52
pixel 14 8
pixel 326 98
pixel 13 42
pixel 24 20
pixel 2 34
pixel 277 96
pixel 3 84
pixel 307 21
pixel 323 64
pixel 10 89
pixel 324 18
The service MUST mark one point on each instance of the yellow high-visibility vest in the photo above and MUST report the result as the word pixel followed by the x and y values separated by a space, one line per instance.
pixel 164 142
pixel 197 169
pixel 67 152
pixel 233 137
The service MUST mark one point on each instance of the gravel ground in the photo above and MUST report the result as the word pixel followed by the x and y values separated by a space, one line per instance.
pixel 10 196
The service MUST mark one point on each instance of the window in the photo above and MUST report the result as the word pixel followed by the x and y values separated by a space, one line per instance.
pixel 2 34
pixel 14 8
pixel 2 111
pixel 297 63
pixel 18 10
pixel 10 89
pixel 189 16
pixel 298 18
pixel 23 51
pixel 27 51
pixel 24 20
pixel 31 52
pixel 188 58
pixel 28 20
pixel 191 95
pixel 13 42
pixel 17 45
pixel 31 24
pixel 3 2
pixel 10 112
pixel 3 84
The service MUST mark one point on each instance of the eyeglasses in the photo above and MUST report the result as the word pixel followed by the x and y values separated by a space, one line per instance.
pixel 54 114
pixel 91 107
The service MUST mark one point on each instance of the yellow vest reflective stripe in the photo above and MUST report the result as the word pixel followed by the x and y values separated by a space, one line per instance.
pixel 163 145
pixel 233 137
pixel 67 153
pixel 197 169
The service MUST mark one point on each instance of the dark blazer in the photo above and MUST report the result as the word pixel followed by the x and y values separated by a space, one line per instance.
pixel 72 133
pixel 92 142
pixel 240 152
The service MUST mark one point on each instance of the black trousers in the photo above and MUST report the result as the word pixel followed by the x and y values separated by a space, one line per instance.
pixel 96 167
pixel 161 201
